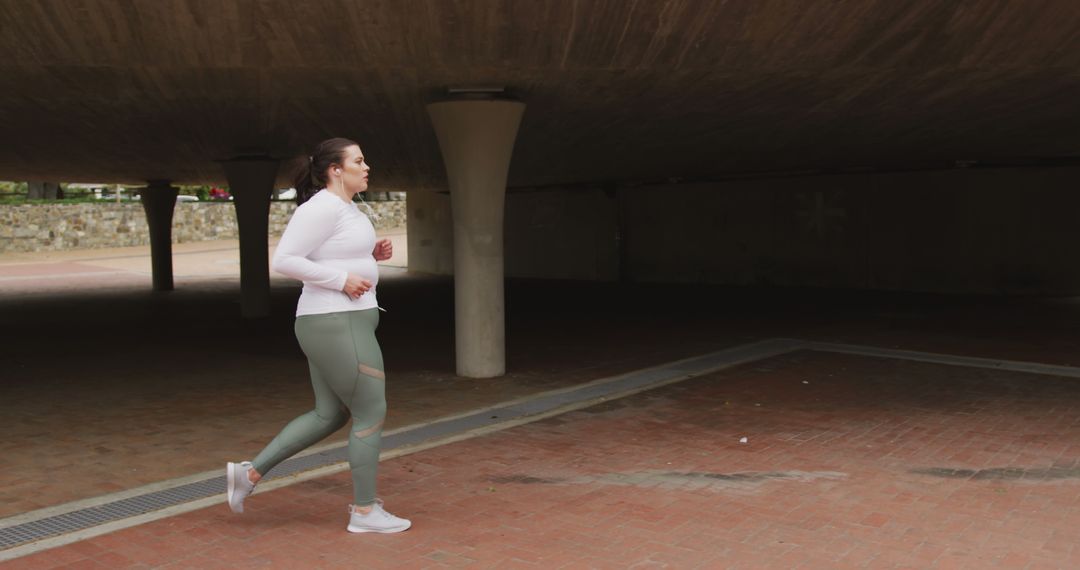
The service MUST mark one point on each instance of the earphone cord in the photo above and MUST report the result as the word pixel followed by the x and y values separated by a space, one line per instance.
pixel 367 207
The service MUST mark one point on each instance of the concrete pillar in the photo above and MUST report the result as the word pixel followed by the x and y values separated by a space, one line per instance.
pixel 477 139
pixel 251 183
pixel 158 201
pixel 43 190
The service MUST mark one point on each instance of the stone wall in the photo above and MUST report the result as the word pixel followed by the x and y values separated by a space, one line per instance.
pixel 53 227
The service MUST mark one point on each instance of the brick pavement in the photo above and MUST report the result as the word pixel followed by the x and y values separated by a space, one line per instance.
pixel 153 380
pixel 163 386
pixel 850 462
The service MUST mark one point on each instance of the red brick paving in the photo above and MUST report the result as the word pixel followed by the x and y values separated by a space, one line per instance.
pixel 154 380
pixel 833 476
pixel 166 385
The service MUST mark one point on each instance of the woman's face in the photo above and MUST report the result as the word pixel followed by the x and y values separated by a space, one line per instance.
pixel 354 170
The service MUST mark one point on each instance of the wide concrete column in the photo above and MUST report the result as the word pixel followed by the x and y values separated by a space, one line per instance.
pixel 251 183
pixel 477 139
pixel 158 201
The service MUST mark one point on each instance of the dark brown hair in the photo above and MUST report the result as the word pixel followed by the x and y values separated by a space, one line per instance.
pixel 312 175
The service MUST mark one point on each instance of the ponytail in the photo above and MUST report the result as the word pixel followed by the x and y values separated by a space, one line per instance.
pixel 311 176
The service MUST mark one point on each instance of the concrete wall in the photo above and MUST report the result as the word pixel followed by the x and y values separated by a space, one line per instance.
pixel 431 233
pixel 51 227
pixel 973 231
pixel 556 234
pixel 985 231
pixel 562 235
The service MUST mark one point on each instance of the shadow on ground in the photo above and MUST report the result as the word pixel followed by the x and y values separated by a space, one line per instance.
pixel 112 386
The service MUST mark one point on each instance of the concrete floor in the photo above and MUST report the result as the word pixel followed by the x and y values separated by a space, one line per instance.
pixel 108 386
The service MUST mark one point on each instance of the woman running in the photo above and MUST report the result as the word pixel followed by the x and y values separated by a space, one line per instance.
pixel 330 246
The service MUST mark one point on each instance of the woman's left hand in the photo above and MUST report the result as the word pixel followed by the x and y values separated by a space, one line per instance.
pixel 384 250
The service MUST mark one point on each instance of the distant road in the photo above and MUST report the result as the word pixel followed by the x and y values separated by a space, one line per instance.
pixel 75 269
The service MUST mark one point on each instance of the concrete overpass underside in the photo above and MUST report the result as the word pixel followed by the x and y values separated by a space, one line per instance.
pixel 616 91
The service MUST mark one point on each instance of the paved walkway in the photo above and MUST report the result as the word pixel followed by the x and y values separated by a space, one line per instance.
pixel 848 462
pixel 873 462
pixel 202 260
pixel 153 380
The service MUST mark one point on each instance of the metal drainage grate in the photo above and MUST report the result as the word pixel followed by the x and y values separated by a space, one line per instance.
pixel 65 523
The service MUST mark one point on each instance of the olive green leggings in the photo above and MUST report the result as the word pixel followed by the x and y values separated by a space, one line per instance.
pixel 347 376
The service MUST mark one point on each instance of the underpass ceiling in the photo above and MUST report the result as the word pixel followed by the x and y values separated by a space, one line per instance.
pixel 126 91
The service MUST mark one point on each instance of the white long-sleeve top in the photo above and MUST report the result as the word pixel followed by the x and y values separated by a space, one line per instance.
pixel 327 239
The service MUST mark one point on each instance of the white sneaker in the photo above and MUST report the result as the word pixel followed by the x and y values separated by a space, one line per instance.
pixel 378 520
pixel 239 486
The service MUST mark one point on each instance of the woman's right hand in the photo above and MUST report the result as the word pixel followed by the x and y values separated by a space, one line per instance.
pixel 356 286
